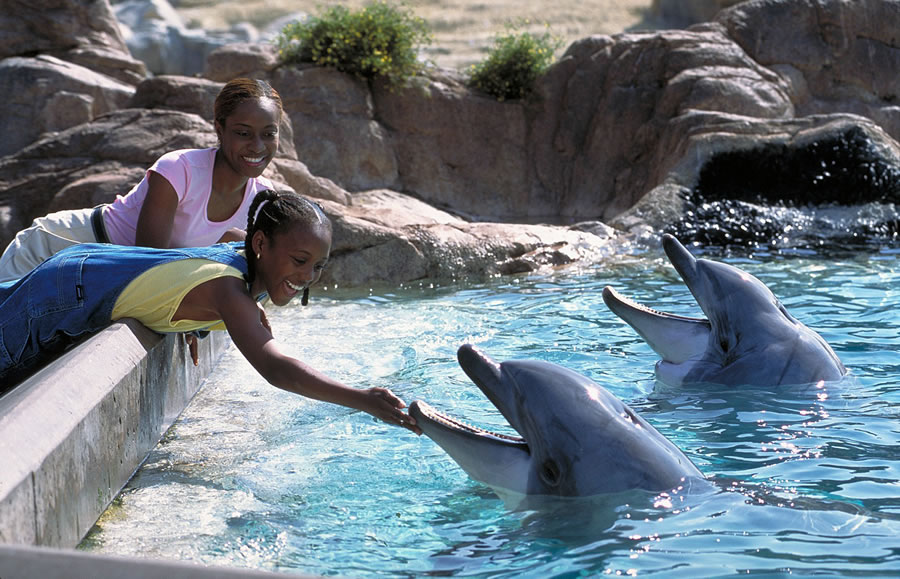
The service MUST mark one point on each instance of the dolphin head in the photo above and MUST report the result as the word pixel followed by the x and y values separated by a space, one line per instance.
pixel 747 336
pixel 574 437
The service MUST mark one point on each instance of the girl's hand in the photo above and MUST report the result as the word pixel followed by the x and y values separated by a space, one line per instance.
pixel 384 405
pixel 193 347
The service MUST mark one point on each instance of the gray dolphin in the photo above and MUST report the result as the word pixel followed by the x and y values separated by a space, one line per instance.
pixel 575 438
pixel 747 338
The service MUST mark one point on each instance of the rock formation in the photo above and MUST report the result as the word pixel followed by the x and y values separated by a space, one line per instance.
pixel 433 180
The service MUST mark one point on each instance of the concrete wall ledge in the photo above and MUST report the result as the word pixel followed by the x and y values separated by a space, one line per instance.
pixel 73 434
pixel 19 562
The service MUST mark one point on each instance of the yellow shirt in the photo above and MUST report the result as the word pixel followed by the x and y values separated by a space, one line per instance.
pixel 153 297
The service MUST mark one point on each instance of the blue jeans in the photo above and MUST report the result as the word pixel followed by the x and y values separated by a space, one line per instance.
pixel 72 295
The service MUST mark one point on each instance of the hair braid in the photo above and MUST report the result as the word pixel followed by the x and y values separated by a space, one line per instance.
pixel 273 212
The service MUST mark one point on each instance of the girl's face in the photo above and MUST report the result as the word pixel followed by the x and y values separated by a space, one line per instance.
pixel 249 139
pixel 290 261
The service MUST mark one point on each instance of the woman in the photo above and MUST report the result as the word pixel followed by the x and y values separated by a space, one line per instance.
pixel 82 289
pixel 188 198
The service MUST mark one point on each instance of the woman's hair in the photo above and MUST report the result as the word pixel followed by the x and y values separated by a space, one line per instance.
pixel 237 91
pixel 273 212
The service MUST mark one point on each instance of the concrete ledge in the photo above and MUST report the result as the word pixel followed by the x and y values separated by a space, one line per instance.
pixel 18 562
pixel 73 434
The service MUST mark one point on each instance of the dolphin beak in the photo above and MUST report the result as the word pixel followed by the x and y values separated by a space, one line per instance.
pixel 497 459
pixel 674 338
pixel 487 375
pixel 688 267
pixel 682 259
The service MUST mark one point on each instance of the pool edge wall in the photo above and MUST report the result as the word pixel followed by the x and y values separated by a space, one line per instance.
pixel 73 434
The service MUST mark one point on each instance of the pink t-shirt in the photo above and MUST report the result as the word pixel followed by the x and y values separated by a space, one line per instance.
pixel 190 173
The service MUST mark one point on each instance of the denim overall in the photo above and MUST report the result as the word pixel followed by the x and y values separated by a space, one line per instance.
pixel 73 293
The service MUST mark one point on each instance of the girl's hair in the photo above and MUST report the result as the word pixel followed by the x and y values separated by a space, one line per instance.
pixel 273 212
pixel 238 90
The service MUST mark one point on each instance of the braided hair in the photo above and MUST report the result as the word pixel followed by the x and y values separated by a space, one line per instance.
pixel 273 212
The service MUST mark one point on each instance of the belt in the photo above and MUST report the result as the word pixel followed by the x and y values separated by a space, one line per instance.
pixel 97 224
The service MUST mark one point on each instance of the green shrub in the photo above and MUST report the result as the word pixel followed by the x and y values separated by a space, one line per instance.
pixel 513 64
pixel 378 40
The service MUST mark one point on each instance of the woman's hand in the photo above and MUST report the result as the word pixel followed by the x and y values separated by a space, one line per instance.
pixel 384 405
pixel 233 234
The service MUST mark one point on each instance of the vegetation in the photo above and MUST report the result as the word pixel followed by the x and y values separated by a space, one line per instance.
pixel 378 40
pixel 514 63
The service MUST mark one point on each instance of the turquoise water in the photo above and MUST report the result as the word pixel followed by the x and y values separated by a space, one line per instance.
pixel 806 481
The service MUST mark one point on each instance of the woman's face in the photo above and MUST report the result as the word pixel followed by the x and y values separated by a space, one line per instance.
pixel 249 138
pixel 290 261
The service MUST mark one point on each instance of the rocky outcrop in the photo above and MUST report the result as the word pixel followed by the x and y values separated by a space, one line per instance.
pixel 387 236
pixel 623 129
pixel 609 121
pixel 45 94
pixel 83 33
pixel 599 133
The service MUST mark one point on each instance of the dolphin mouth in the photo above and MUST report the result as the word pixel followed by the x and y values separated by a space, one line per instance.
pixel 487 375
pixel 676 339
pixel 620 303
pixel 424 412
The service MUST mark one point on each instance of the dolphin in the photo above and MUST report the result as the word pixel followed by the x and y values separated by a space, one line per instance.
pixel 747 337
pixel 575 439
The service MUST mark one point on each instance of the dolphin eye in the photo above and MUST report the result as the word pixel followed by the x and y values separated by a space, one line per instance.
pixel 550 472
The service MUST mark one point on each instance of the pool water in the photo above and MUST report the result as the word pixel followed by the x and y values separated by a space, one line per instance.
pixel 805 481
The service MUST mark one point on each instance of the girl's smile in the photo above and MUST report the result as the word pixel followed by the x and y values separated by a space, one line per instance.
pixel 291 261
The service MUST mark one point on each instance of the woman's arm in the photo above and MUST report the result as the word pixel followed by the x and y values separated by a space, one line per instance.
pixel 157 217
pixel 254 339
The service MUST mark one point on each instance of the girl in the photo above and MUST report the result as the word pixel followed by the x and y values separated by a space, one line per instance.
pixel 188 198
pixel 83 288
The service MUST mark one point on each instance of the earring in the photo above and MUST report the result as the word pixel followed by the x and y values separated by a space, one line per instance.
pixel 257 256
pixel 305 299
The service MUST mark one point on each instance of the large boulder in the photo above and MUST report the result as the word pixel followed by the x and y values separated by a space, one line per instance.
pixel 85 33
pixel 337 134
pixel 385 236
pixel 837 55
pixel 44 94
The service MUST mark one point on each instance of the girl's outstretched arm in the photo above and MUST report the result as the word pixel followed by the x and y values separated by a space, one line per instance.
pixel 241 316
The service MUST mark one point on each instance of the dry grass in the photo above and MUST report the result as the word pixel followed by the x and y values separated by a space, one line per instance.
pixel 463 30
